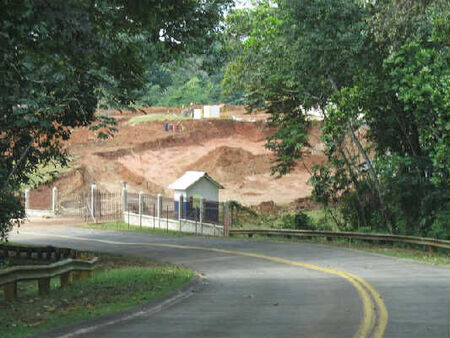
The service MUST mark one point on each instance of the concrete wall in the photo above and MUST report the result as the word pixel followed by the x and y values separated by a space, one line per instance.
pixel 174 225
pixel 39 213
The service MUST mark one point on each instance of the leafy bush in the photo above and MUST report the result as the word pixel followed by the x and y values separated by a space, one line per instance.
pixel 302 221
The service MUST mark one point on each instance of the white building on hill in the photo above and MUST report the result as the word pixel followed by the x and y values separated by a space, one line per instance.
pixel 197 183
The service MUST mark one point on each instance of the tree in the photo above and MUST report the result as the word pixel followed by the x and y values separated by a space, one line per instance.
pixel 60 59
pixel 196 78
pixel 378 71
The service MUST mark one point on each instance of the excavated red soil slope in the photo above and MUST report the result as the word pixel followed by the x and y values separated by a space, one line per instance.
pixel 149 159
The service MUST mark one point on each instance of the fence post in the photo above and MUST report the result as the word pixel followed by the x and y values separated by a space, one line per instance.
pixel 124 197
pixel 226 218
pixel 141 205
pixel 27 199
pixel 180 211
pixel 202 213
pixel 93 197
pixel 159 206
pixel 54 200
pixel 167 218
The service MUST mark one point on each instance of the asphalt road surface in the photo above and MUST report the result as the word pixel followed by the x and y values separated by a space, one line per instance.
pixel 257 288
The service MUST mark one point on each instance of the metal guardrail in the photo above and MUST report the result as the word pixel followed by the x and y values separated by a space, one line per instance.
pixel 74 267
pixel 431 243
pixel 35 272
pixel 40 253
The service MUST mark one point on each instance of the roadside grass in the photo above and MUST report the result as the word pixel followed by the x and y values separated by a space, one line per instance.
pixel 120 283
pixel 124 227
pixel 156 117
pixel 321 221
pixel 398 250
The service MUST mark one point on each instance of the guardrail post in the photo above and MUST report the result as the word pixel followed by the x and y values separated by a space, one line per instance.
pixel 141 205
pixel 54 200
pixel 159 206
pixel 44 286
pixel 10 291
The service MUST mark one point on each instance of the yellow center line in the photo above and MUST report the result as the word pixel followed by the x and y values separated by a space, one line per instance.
pixel 366 292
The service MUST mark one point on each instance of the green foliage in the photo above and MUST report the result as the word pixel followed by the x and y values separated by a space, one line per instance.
pixel 45 174
pixel 297 221
pixel 197 79
pixel 379 73
pixel 61 59
pixel 121 284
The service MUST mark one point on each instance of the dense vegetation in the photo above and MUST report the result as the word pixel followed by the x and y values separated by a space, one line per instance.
pixel 197 79
pixel 378 71
pixel 61 58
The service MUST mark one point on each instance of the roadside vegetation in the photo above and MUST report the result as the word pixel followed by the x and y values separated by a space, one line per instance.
pixel 284 217
pixel 398 250
pixel 119 283
pixel 325 220
pixel 378 72
pixel 102 67
pixel 46 173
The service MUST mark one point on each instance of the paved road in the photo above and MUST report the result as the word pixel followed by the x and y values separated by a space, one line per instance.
pixel 275 289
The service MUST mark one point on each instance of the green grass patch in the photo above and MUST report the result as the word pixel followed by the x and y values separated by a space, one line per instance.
pixel 120 283
pixel 123 226
pixel 156 117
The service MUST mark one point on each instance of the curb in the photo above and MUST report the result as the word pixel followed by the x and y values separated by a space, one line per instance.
pixel 74 330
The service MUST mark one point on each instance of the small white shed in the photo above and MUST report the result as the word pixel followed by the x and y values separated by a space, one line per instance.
pixel 196 183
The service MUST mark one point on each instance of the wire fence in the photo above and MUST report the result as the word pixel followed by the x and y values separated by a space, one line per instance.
pixel 149 205
pixel 132 201
pixel 213 211
pixel 168 209
pixel 99 206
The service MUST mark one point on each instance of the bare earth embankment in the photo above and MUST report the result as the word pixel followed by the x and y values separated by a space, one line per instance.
pixel 149 158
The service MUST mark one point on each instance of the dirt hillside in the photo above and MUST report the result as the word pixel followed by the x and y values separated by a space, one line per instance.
pixel 231 150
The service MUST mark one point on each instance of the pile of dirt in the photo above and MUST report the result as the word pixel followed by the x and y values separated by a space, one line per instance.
pixel 150 158
pixel 267 208
pixel 70 185
pixel 194 133
pixel 231 164
pixel 305 203
pixel 139 181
